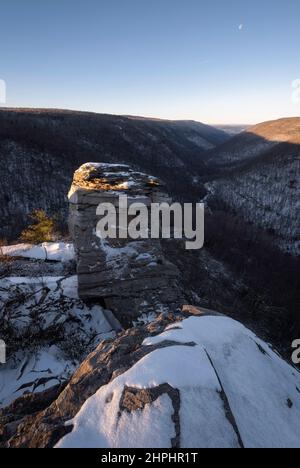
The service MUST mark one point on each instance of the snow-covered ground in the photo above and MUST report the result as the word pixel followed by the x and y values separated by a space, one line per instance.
pixel 51 251
pixel 234 392
pixel 48 330
pixel 33 372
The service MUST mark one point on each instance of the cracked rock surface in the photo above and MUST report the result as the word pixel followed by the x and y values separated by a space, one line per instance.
pixel 188 379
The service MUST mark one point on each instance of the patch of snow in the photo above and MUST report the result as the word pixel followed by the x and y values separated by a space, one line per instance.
pixel 52 251
pixel 143 257
pixel 116 252
pixel 144 319
pixel 59 251
pixel 34 373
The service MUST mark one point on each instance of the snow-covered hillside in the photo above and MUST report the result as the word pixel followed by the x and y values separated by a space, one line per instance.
pixel 257 176
pixel 266 194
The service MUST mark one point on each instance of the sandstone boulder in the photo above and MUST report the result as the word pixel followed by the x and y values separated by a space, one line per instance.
pixel 129 277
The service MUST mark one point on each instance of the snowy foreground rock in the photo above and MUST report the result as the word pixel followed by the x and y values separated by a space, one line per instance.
pixel 189 379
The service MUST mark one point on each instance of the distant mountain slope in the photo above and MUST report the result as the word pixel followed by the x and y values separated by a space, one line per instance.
pixel 258 178
pixel 204 136
pixel 256 141
pixel 40 149
pixel 268 196
pixel 232 130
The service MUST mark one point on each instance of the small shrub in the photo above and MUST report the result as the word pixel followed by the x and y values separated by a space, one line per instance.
pixel 41 230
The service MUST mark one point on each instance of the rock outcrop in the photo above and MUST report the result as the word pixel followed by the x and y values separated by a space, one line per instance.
pixel 129 277
pixel 191 378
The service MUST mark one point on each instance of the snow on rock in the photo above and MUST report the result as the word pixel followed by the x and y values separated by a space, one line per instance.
pixel 186 369
pixel 48 330
pixel 181 381
pixel 50 251
pixel 226 388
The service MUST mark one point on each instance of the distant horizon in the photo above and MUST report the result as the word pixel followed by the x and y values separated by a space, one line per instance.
pixel 196 60
pixel 146 117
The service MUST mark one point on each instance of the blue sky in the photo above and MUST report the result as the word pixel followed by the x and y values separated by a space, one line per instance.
pixel 186 59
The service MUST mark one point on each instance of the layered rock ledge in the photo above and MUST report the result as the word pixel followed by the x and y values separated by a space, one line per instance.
pixel 129 277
